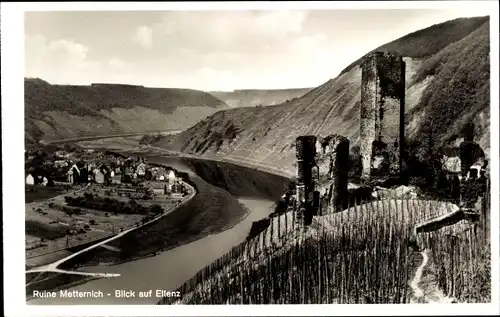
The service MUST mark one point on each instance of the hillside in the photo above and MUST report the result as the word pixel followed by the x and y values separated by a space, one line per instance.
pixel 258 97
pixel 66 111
pixel 447 79
pixel 343 258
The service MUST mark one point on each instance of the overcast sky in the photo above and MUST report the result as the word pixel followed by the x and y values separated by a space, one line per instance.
pixel 212 50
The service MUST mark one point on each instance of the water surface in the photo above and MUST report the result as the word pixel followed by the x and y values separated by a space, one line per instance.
pixel 168 270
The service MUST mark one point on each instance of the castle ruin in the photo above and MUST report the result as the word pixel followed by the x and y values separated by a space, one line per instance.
pixel 382 115
pixel 338 171
pixel 305 153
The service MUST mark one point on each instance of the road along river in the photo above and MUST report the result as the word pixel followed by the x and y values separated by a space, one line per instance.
pixel 170 269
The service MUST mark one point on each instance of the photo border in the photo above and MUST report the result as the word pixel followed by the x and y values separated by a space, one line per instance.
pixel 12 37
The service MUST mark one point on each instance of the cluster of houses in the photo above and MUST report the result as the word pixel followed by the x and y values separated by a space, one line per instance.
pixel 172 187
pixel 105 169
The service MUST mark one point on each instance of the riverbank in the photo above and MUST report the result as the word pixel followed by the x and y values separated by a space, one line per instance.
pixel 168 270
pixel 212 214
pixel 47 277
pixel 183 226
pixel 213 211
pixel 118 261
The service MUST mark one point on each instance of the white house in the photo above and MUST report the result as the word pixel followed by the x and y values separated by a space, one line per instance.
pixel 171 177
pixel 30 180
pixel 141 169
pixel 98 176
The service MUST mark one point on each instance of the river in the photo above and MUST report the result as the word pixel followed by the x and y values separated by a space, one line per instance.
pixel 169 269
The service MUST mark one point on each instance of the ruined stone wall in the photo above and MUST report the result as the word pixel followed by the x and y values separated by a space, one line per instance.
pixel 382 114
pixel 339 172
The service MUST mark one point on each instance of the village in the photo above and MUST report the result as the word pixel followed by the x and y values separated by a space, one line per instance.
pixel 78 196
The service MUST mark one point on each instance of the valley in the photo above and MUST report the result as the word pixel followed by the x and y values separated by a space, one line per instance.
pixel 274 196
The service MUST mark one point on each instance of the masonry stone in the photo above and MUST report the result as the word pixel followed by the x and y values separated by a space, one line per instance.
pixel 382 115
pixel 338 171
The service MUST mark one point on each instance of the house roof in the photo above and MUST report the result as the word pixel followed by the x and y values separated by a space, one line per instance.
pixel 74 166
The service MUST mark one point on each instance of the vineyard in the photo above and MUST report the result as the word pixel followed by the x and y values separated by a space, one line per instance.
pixel 369 253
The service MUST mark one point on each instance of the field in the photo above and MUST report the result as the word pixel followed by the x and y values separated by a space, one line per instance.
pixel 210 211
pixel 53 226
pixel 366 254
pixel 36 193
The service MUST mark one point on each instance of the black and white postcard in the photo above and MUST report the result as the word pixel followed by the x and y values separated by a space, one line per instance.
pixel 242 157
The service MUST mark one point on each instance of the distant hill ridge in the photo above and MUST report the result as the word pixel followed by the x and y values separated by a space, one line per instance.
pixel 115 85
pixel 68 111
pixel 272 90
pixel 258 97
pixel 447 86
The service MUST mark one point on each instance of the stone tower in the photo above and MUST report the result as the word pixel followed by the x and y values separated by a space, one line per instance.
pixel 382 115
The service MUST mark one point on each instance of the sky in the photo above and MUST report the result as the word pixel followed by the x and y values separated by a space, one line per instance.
pixel 212 50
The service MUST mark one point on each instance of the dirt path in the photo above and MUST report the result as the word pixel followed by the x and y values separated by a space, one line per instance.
pixel 427 292
pixel 418 293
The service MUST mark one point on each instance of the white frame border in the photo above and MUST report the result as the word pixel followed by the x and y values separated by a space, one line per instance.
pixel 12 35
